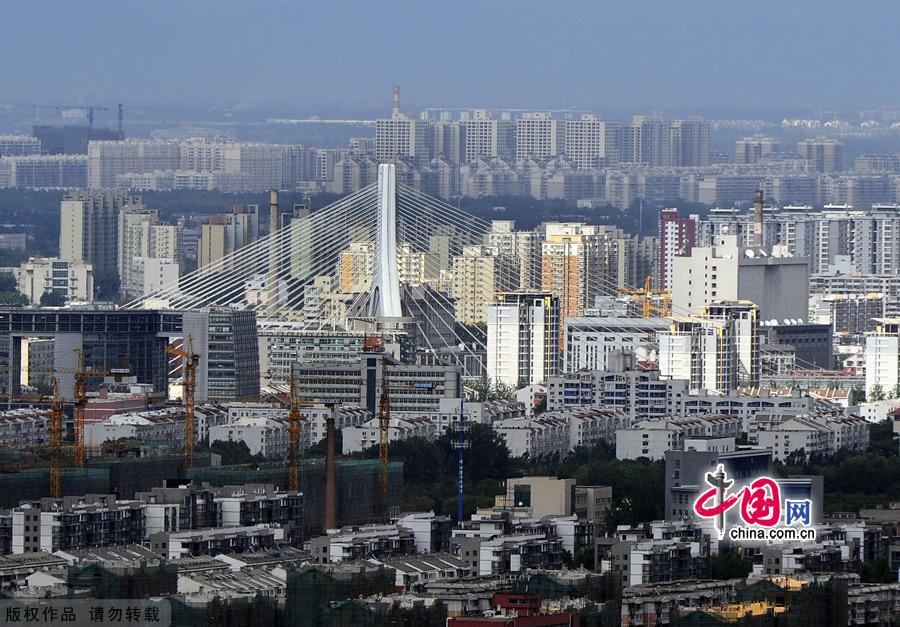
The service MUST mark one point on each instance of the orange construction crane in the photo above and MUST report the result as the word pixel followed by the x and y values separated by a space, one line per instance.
pixel 55 428
pixel 190 386
pixel 384 422
pixel 294 420
pixel 81 375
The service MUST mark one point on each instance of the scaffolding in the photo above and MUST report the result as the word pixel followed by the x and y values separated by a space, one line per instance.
pixel 34 484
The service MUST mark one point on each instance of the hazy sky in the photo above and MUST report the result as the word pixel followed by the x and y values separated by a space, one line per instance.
pixel 313 55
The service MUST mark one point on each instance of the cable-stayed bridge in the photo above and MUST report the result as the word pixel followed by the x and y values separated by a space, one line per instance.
pixel 378 260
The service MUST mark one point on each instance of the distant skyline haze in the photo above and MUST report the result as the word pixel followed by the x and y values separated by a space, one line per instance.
pixel 321 57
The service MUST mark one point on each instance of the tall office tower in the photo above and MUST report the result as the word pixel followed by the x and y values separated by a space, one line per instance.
pixel 755 148
pixel 479 275
pixel 591 142
pixel 523 331
pixel 718 351
pixel 883 357
pixel 646 141
pixel 449 140
pixel 778 284
pixel 143 238
pixel 356 266
pixel 89 227
pixel 676 237
pixel 824 154
pixel 539 136
pixel 689 142
pixel 19 145
pixel 224 234
pixel 488 138
pixel 228 344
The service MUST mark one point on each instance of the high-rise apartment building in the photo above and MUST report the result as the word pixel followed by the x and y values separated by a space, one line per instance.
pixel 689 142
pixel 646 141
pixel 108 159
pixel 89 227
pixel 824 154
pixel 19 145
pixel 777 283
pixel 883 358
pixel 402 136
pixel 479 275
pixel 523 338
pixel 718 351
pixel 676 237
pixel 356 267
pixel 224 234
pixel 488 138
pixel 539 136
pixel 755 148
pixel 591 142
pixel 141 236
pixel 524 247
pixel 44 171
pixel 449 140
pixel 578 262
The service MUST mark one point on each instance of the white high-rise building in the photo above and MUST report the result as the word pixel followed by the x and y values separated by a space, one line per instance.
pixel 488 138
pixel 151 274
pixel 402 136
pixel 591 142
pixel 141 236
pixel 717 352
pixel 523 338
pixel 883 357
pixel 778 285
pixel 539 136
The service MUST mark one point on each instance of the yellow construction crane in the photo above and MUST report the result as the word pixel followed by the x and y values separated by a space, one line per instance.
pixel 648 299
pixel 190 386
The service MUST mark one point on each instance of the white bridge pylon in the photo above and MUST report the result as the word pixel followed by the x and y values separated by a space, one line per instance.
pixel 385 295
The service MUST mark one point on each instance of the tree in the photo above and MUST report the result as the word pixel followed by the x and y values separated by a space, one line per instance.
pixel 52 299
pixel 728 564
pixel 876 393
pixel 233 452
pixel 106 285
pixel 857 395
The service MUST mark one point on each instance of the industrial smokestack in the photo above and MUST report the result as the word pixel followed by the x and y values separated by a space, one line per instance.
pixel 273 211
pixel 330 478
pixel 758 206
pixel 121 116
pixel 396 100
